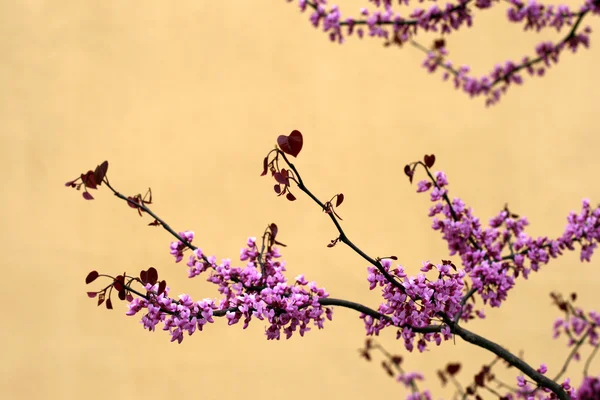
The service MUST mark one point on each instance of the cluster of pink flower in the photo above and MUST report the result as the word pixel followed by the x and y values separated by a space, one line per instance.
pixel 492 274
pixel 589 389
pixel 526 391
pixel 481 250
pixel 452 17
pixel 577 325
pixel 492 259
pixel 247 294
pixel 177 316
pixel 416 302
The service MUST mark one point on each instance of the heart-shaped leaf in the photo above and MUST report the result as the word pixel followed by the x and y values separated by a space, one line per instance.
pixel 291 144
pixel 453 368
pixel 152 275
pixel 429 160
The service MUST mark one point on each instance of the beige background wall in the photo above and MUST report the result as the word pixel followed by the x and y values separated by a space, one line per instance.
pixel 187 97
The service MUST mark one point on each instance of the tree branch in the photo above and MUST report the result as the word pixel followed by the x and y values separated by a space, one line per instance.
pixel 343 237
pixel 507 356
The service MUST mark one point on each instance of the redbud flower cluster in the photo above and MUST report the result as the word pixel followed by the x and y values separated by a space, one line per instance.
pixel 430 304
pixel 589 389
pixel 398 28
pixel 527 391
pixel 578 327
pixel 482 250
pixel 247 293
pixel 417 301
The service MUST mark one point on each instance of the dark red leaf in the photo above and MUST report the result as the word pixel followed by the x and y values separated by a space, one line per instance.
pixel 339 199
pixel 265 164
pixel 397 360
pixel 118 284
pixel 122 294
pixel 129 297
pixel 274 230
pixel 87 196
pixel 144 276
pixel 290 197
pixel 438 44
pixel 480 379
pixel 162 286
pixel 429 160
pixel 277 189
pixel 70 183
pixel 573 296
pixel 369 343
pixel 91 277
pixel 109 304
pixel 91 295
pixel 152 275
pixel 387 368
pixel 452 368
pixel 442 377
pixel 89 180
pixel 365 354
pixel 100 172
pixel 154 223
pixel 134 200
pixel 291 144
pixel 470 390
pixel 280 178
pixel 408 171
pixel 394 258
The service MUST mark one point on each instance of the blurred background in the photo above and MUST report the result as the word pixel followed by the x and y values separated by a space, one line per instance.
pixel 187 98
